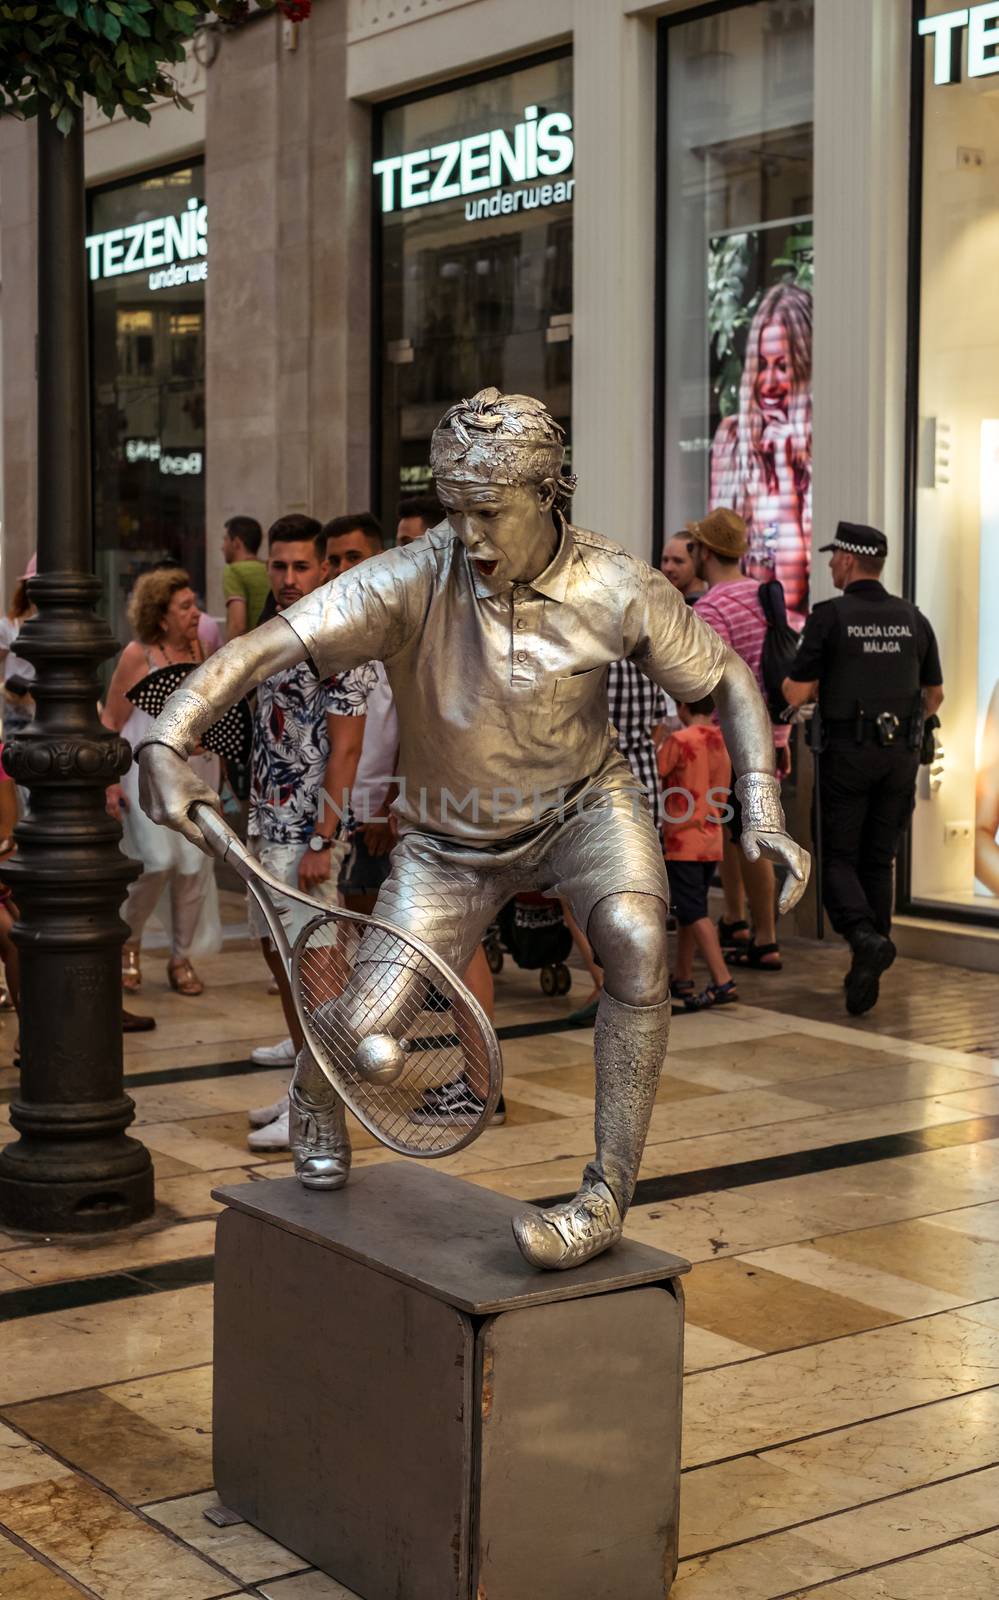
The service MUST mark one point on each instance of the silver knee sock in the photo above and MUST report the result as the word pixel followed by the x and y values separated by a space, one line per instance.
pixel 320 1142
pixel 629 1045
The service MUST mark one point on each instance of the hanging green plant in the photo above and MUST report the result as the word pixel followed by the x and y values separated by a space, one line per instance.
pixel 119 52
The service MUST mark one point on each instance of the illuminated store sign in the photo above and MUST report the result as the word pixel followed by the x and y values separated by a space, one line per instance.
pixel 172 463
pixel 539 147
pixel 947 32
pixel 176 246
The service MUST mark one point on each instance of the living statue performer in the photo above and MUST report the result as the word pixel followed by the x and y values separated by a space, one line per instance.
pixel 496 629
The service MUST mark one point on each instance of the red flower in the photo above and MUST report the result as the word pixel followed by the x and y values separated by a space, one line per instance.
pixel 295 10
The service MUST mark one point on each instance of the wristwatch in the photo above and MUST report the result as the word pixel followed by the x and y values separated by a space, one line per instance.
pixel 320 842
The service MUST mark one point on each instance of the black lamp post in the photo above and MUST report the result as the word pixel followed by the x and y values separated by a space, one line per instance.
pixel 73 1169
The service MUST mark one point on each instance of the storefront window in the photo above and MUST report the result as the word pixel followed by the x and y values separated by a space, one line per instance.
pixel 737 253
pixel 474 191
pixel 955 857
pixel 147 263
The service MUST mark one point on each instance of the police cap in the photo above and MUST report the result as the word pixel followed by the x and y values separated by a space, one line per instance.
pixel 858 540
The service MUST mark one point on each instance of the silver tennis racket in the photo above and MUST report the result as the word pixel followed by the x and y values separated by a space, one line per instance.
pixel 388 1022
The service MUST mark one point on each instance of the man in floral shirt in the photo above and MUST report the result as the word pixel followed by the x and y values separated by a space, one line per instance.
pixel 306 744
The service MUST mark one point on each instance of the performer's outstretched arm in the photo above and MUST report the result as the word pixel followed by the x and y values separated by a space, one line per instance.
pixel 167 786
pixel 745 722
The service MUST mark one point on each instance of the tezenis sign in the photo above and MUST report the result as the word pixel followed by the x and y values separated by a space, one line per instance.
pixel 176 245
pixel 947 32
pixel 541 146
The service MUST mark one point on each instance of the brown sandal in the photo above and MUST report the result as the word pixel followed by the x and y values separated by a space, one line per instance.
pixel 183 978
pixel 131 972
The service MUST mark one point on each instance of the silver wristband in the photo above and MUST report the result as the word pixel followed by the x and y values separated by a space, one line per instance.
pixel 759 795
pixel 180 724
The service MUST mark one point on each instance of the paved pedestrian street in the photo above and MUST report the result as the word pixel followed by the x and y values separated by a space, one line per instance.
pixel 835 1184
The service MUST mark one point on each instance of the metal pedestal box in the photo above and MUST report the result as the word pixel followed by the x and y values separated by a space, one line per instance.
pixel 407 1405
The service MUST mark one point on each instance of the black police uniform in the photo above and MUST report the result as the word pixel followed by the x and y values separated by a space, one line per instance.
pixel 872 654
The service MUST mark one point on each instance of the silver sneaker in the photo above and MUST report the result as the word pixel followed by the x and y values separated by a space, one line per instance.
pixel 569 1234
pixel 320 1143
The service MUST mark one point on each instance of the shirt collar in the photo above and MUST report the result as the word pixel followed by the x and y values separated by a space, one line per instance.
pixel 552 583
pixel 866 586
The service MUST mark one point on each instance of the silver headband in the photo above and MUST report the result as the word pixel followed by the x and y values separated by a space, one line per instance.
pixel 497 438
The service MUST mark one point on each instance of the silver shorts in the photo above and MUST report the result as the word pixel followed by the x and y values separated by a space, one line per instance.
pixel 447 893
pixel 282 860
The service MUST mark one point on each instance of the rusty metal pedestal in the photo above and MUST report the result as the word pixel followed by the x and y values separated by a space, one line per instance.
pixel 404 1403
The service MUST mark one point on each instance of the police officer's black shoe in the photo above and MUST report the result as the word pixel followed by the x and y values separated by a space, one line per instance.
pixel 873 954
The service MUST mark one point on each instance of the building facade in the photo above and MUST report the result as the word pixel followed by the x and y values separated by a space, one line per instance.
pixel 737 247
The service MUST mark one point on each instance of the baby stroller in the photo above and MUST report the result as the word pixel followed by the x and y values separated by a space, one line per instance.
pixel 532 930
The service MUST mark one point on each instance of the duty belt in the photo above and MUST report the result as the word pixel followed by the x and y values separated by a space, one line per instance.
pixel 884 728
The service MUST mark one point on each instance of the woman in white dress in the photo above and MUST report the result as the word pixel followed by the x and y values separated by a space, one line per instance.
pixel 164 615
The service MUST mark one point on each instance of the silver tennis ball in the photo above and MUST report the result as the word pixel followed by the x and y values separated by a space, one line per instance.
pixel 380 1059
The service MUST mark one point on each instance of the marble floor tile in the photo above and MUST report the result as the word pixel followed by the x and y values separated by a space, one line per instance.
pixel 165 1166
pixel 984 1102
pixel 533 1182
pixel 941 1258
pixel 835 1546
pixel 796 1393
pixel 103 1344
pixel 783 1058
pixel 204 1143
pixel 99 1254
pixel 190 1194
pixel 725 1222
pixel 531 1091
pixel 756 1494
pixel 887 1085
pixel 981 1222
pixel 9 1280
pixel 309 1586
pixel 955 1572
pixel 578 1080
pixel 143 1448
pixel 168 1102
pixel 103 1545
pixel 768 1310
pixel 811 1263
pixel 176 1400
pixel 703 1349
pixel 24 1578
pixel 896 1189
pixel 24 1462
pixel 241 1549
pixel 664 1154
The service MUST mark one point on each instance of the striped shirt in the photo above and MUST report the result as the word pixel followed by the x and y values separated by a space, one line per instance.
pixel 734 611
pixel 636 706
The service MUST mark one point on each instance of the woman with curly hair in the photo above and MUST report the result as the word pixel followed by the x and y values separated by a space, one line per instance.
pixel 761 458
pixel 164 615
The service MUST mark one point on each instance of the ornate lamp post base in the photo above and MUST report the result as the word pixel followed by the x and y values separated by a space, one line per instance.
pixel 117 1190
pixel 73 1169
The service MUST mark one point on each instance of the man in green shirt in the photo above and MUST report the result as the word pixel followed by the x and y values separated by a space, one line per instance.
pixel 245 583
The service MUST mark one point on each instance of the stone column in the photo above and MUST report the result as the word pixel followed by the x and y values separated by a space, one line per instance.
pixel 861 211
pixel 614 271
pixel 288 289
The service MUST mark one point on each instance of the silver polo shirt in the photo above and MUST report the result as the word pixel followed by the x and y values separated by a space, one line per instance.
pixel 501 688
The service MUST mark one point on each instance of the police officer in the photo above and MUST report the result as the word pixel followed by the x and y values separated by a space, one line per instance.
pixel 872 663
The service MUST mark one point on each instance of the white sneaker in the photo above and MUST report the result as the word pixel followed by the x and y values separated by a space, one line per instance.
pixel 275 1136
pixel 274 1055
pixel 263 1115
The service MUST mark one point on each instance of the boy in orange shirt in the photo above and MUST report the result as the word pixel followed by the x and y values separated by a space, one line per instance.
pixel 697 779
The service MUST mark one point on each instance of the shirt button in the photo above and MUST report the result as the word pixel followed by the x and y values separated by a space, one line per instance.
pixel 521 623
pixel 521 655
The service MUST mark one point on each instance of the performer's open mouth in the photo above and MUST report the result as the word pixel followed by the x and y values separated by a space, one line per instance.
pixel 487 567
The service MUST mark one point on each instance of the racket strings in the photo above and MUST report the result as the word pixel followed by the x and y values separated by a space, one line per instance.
pixel 356 983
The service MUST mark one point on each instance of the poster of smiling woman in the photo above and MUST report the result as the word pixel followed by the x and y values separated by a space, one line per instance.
pixel 760 328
